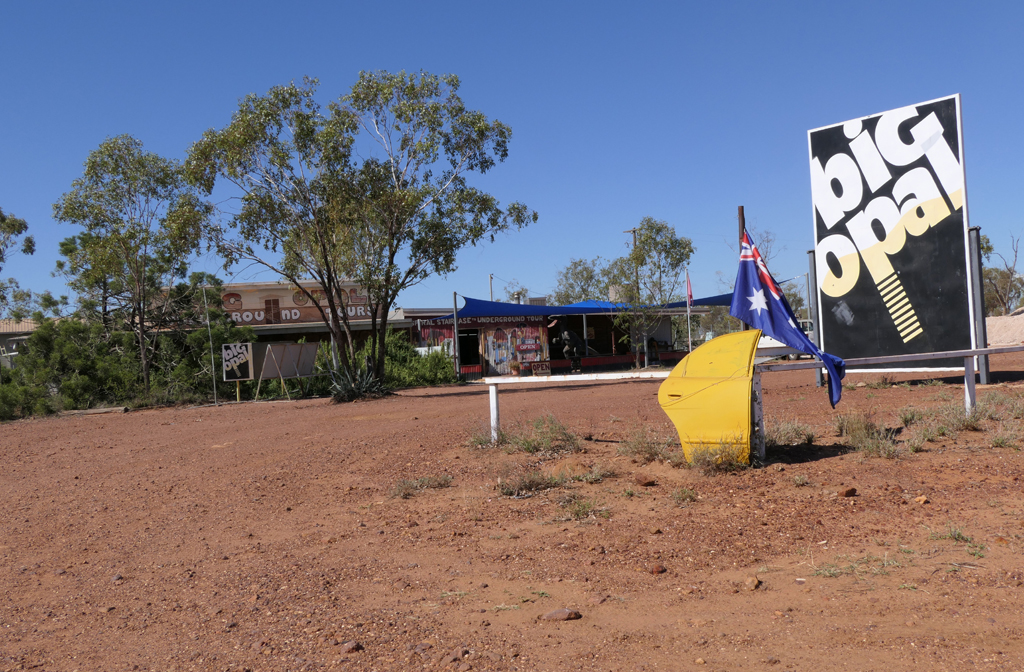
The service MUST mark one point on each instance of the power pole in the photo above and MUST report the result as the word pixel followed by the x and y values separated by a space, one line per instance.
pixel 636 298
pixel 490 282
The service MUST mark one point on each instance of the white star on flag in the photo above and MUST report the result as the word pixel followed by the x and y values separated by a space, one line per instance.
pixel 757 301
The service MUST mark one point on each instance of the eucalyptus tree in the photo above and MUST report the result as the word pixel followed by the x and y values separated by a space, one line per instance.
pixel 387 217
pixel 650 275
pixel 141 224
pixel 12 237
pixel 581 280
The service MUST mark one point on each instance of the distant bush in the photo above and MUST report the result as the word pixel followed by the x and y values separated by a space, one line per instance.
pixel 87 360
pixel 405 367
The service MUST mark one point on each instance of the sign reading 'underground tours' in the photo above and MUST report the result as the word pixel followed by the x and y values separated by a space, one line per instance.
pixel 891 233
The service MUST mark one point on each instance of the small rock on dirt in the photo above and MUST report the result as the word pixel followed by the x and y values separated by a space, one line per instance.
pixel 772 660
pixel 751 583
pixel 116 577
pixel 699 661
pixel 562 615
pixel 351 647
pixel 922 500
pixel 848 492
pixel 645 480
pixel 597 599
pixel 655 530
pixel 658 569
pixel 456 655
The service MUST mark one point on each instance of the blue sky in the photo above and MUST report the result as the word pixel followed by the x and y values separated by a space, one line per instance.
pixel 681 111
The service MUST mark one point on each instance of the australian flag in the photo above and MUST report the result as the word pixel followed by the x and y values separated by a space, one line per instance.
pixel 758 301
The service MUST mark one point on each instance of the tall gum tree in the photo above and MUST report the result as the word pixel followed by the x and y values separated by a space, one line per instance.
pixel 581 280
pixel 650 275
pixel 311 210
pixel 12 232
pixel 141 224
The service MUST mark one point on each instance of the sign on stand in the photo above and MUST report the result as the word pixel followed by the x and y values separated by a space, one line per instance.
pixel 238 361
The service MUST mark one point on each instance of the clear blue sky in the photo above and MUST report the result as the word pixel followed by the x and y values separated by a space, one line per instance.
pixel 677 110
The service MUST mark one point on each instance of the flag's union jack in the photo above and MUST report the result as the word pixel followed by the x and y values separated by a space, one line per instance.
pixel 772 315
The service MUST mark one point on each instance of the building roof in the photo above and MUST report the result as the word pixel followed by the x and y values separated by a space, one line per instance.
pixel 480 308
pixel 9 326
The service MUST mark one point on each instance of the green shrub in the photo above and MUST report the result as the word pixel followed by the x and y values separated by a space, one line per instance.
pixel 361 385
pixel 580 508
pixel 405 367
pixel 683 496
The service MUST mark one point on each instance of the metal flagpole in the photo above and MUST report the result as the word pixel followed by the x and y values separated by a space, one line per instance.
pixel 743 229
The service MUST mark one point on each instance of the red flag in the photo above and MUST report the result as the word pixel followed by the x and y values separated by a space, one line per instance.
pixel 689 289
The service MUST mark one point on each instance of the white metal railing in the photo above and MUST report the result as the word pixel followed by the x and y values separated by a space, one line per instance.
pixel 970 398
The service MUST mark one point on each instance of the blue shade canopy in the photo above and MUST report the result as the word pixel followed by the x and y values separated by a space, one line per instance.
pixel 480 308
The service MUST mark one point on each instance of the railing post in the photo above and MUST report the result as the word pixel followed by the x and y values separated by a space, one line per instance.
pixel 970 400
pixel 495 416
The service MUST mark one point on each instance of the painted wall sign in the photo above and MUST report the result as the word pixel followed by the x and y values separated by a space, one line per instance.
pixel 522 342
pixel 273 303
pixel 890 226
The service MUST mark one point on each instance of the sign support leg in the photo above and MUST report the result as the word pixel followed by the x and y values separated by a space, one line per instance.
pixel 238 390
pixel 495 416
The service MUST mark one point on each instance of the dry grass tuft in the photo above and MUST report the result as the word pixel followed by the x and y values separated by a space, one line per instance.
pixel 406 488
pixel 787 433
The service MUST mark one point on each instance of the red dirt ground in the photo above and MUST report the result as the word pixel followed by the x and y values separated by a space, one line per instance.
pixel 264 537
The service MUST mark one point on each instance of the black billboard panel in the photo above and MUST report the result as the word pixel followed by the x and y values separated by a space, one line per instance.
pixel 890 225
pixel 237 358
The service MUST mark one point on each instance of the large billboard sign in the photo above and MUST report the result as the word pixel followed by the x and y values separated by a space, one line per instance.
pixel 890 225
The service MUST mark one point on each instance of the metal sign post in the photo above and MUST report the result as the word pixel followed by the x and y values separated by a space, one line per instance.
pixel 980 332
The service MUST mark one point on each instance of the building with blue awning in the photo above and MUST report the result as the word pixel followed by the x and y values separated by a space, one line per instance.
pixel 492 334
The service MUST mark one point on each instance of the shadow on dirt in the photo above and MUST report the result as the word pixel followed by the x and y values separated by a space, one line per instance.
pixel 803 453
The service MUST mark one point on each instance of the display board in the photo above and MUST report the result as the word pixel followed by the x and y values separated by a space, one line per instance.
pixel 890 226
pixel 285 360
pixel 237 359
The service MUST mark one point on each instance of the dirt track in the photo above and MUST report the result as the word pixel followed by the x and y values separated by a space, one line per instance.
pixel 263 537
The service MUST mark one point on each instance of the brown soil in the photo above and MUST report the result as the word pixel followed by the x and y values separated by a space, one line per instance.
pixel 264 537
